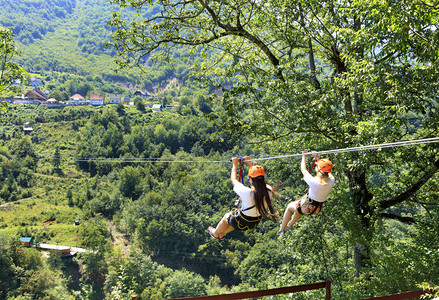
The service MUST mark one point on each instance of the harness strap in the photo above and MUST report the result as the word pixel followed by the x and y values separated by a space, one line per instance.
pixel 250 207
pixel 315 207
pixel 314 203
pixel 312 167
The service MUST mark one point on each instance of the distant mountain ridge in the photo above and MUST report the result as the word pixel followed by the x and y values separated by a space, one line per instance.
pixel 33 19
pixel 66 36
pixel 63 40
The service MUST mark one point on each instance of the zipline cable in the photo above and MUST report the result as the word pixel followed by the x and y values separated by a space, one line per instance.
pixel 200 159
pixel 361 148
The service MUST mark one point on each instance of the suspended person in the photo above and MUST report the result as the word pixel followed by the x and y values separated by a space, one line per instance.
pixel 319 187
pixel 255 202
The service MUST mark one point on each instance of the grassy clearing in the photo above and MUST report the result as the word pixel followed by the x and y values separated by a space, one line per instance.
pixel 27 217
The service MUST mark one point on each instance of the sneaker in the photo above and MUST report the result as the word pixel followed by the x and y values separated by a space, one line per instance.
pixel 280 232
pixel 210 231
pixel 288 227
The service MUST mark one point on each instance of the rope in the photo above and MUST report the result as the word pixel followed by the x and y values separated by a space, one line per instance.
pixel 200 160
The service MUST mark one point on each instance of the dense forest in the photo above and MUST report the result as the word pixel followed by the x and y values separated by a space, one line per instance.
pixel 137 189
pixel 64 43
pixel 146 220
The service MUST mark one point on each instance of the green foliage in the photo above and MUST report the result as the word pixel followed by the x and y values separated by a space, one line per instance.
pixel 313 75
pixel 354 74
pixel 185 284
pixel 94 235
pixel 10 71
pixel 45 284
pixel 161 211
pixel 86 65
pixel 130 179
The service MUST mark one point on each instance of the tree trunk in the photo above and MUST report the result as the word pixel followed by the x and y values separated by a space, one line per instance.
pixel 361 198
pixel 361 258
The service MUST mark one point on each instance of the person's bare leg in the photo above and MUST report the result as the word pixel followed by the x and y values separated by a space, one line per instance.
pixel 229 228
pixel 296 216
pixel 290 211
pixel 223 227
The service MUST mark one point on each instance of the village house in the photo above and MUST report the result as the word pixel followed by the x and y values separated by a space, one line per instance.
pixel 77 99
pixel 63 251
pixel 114 98
pixel 96 99
pixel 52 102
pixel 36 95
pixel 157 107
pixel 142 94
pixel 27 241
pixel 34 82
pixel 219 92
pixel 127 100
pixel 26 128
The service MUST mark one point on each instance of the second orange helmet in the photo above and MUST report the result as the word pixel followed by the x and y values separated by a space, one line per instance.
pixel 256 171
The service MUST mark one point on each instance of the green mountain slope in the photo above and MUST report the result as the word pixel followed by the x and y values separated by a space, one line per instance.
pixel 68 37
pixel 63 36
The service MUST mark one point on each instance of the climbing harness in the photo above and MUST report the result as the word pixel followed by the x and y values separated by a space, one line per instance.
pixel 239 221
pixel 317 206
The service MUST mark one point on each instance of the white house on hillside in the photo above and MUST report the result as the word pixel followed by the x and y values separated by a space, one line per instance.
pixel 35 82
pixel 115 98
pixel 157 107
pixel 76 99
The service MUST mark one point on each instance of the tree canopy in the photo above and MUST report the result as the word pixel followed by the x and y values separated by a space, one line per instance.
pixel 302 75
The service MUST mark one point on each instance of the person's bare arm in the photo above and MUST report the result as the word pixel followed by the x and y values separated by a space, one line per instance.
pixel 233 179
pixel 248 161
pixel 303 163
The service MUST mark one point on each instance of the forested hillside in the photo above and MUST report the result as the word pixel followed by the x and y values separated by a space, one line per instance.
pixel 147 219
pixel 136 189
pixel 64 39
pixel 63 171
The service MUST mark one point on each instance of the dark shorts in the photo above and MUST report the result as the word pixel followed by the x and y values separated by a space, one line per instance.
pixel 239 221
pixel 306 207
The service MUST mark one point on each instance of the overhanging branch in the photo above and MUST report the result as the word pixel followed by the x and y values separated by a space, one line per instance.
pixel 406 220
pixel 410 192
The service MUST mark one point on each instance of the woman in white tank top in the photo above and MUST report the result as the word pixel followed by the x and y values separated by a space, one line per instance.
pixel 319 188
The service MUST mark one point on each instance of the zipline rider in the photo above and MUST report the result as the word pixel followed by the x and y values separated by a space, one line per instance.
pixel 319 188
pixel 255 202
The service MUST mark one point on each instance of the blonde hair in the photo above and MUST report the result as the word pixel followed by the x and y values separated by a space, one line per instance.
pixel 324 179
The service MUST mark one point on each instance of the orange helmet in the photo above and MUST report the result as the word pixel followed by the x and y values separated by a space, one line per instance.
pixel 325 165
pixel 256 171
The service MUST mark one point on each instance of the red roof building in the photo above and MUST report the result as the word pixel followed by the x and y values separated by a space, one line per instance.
pixel 36 94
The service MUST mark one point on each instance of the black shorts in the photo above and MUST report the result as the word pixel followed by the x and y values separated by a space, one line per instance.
pixel 239 221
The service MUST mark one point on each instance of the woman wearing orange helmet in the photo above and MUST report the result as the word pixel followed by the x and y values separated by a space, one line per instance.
pixel 255 202
pixel 318 191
